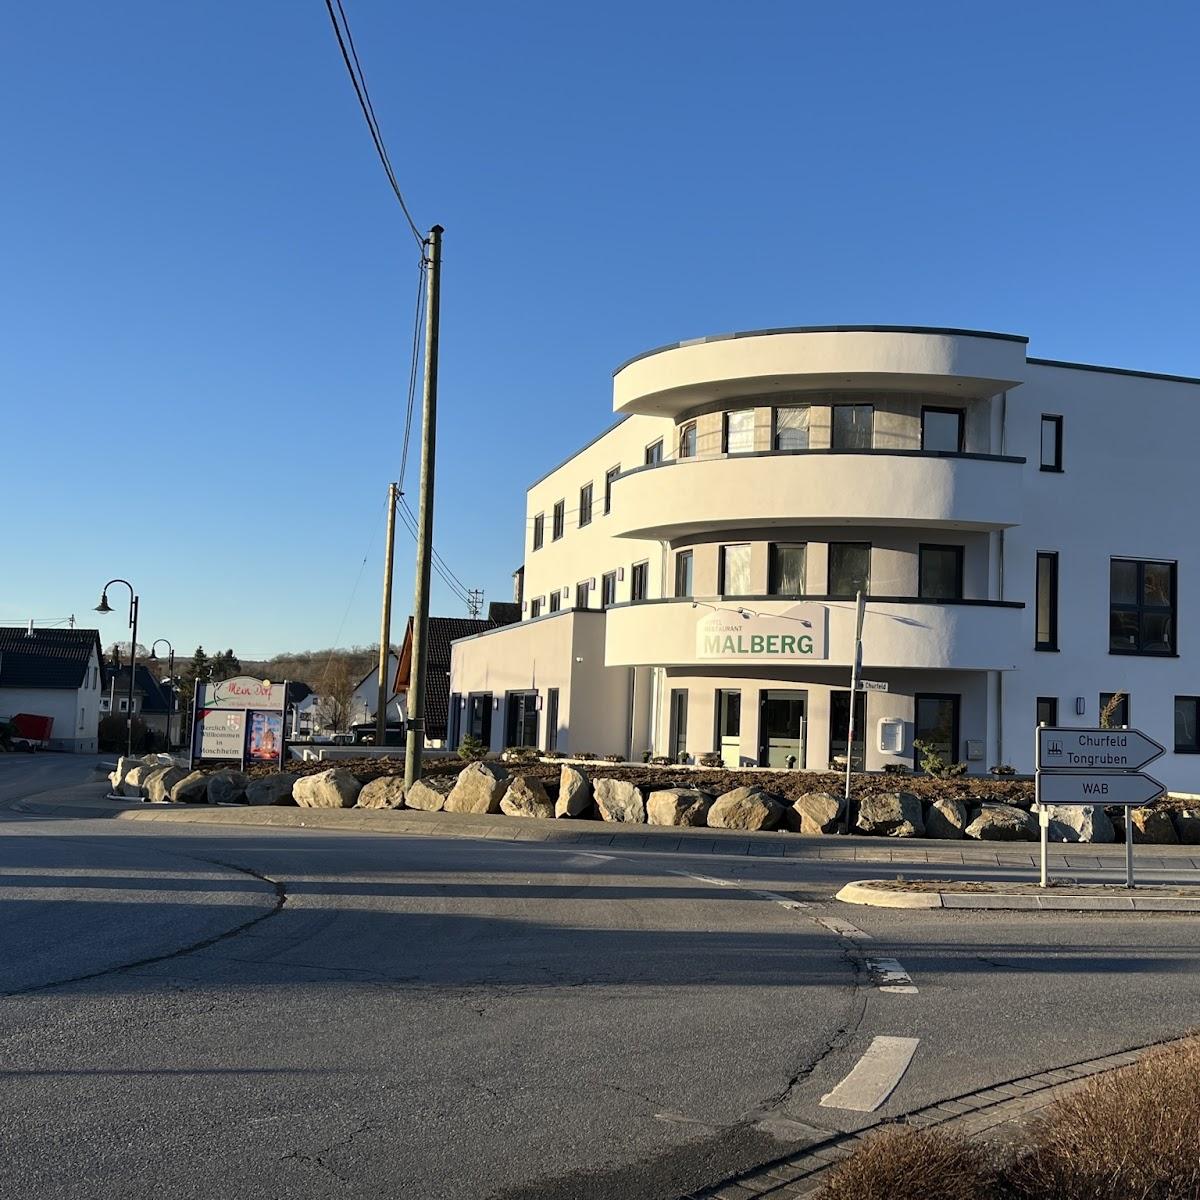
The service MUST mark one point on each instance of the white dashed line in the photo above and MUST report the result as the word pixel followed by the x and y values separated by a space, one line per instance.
pixel 786 901
pixel 889 976
pixel 843 928
pixel 705 879
pixel 874 1076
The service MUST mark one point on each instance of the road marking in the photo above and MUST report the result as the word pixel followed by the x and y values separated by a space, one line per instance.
pixel 785 901
pixel 842 928
pixel 705 879
pixel 585 859
pixel 889 976
pixel 874 1076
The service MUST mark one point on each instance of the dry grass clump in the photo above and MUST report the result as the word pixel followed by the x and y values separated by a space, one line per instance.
pixel 1133 1134
pixel 913 1164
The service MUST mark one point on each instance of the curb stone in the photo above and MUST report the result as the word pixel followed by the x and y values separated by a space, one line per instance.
pixel 866 892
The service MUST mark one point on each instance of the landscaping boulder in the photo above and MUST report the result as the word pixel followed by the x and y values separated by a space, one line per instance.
pixel 891 814
pixel 160 783
pixel 1187 825
pixel 478 789
pixel 135 779
pixel 1079 823
pixel 678 806
pixel 227 787
pixel 1004 823
pixel 385 792
pixel 815 813
pixel 748 808
pixel 526 797
pixel 429 793
pixel 574 793
pixel 335 788
pixel 617 800
pixel 117 777
pixel 1153 826
pixel 191 789
pixel 946 819
pixel 271 789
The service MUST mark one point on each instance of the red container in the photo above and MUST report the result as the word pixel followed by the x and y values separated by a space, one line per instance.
pixel 33 728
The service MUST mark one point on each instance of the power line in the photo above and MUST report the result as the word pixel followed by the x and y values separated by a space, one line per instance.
pixel 358 79
pixel 419 310
pixel 436 556
pixel 447 576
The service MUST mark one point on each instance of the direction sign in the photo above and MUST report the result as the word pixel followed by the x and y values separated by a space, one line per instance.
pixel 871 685
pixel 1130 788
pixel 1095 750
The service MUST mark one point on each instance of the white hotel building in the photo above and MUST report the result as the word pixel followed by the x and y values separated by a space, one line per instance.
pixel 1018 524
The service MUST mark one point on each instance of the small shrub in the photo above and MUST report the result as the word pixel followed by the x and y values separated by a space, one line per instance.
pixel 934 762
pixel 645 756
pixel 711 759
pixel 896 769
pixel 662 760
pixel 614 758
pixel 1003 769
pixel 519 754
pixel 586 755
pixel 471 749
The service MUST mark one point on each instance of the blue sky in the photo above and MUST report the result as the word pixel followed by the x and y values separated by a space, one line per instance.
pixel 207 287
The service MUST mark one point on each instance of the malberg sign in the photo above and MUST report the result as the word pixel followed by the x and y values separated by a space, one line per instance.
pixel 742 635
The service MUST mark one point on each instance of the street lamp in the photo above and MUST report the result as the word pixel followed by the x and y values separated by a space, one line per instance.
pixel 171 677
pixel 103 607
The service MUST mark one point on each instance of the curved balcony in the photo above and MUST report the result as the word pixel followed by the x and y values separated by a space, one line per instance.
pixel 963 635
pixel 818 487
pixel 950 362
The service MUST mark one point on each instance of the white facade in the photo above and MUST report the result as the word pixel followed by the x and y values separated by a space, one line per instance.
pixel 76 710
pixel 364 703
pixel 941 463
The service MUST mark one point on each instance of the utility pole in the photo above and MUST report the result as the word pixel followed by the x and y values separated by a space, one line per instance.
pixel 385 622
pixel 474 602
pixel 415 734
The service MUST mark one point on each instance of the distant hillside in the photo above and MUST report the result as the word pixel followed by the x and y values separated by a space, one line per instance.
pixel 311 666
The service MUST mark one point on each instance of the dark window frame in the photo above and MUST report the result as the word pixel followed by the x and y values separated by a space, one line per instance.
pixel 1126 704
pixel 1194 748
pixel 955 731
pixel 558 522
pixel 829 569
pixel 773 549
pixel 585 504
pixel 639 570
pixel 1055 420
pixel 840 726
pixel 654 453
pixel 555 601
pixel 960 556
pixel 535 607
pixel 725 429
pixel 721 566
pixel 1052 701
pixel 954 412
pixel 682 556
pixel 610 477
pixel 833 428
pixel 1051 557
pixel 550 732
pixel 583 593
pixel 539 531
pixel 684 429
pixel 608 595
pixel 775 411
pixel 1141 608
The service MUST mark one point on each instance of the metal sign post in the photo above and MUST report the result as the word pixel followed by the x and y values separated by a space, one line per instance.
pixel 860 608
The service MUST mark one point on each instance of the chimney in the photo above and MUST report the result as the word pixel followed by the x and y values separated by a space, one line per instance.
pixel 29 631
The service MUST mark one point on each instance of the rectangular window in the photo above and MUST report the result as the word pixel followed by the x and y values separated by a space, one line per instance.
pixel 585 505
pixel 1187 724
pixel 849 568
pixel 791 428
pixel 535 607
pixel 639 581
pixel 942 430
pixel 787 567
pixel 609 476
pixel 522 724
pixel 104 704
pixel 733 576
pixel 560 512
pixel 738 435
pixel 555 600
pixel 479 716
pixel 552 718
pixel 839 728
pixel 539 530
pixel 583 594
pixel 654 453
pixel 936 723
pixel 687 440
pixel 1141 607
pixel 729 727
pixel 940 572
pixel 608 589
pixel 454 721
pixel 683 573
pixel 1047 710
pixel 1118 714
pixel 1046 589
pixel 1052 449
pixel 679 707
pixel 853 427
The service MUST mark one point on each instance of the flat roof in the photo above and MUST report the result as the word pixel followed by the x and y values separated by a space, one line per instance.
pixel 1075 366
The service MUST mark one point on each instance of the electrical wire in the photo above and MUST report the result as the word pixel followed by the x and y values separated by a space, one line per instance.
pixel 437 557
pixel 451 580
pixel 419 310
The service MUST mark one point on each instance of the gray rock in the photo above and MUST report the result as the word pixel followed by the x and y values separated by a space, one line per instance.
pixel 160 782
pixel 478 789
pixel 526 797
pixel 1187 825
pixel 574 793
pixel 136 778
pixel 429 793
pixel 747 808
pixel 1079 823
pixel 1153 827
pixel 118 776
pixel 271 789
pixel 678 806
pixel 191 789
pixel 335 788
pixel 815 813
pixel 617 800
pixel 1004 823
pixel 227 787
pixel 385 792
pixel 891 814
pixel 946 819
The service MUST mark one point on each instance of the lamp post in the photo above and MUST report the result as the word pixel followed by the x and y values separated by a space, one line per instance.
pixel 171 677
pixel 103 607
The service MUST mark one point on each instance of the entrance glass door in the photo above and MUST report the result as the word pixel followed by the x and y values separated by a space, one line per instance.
pixel 479 717
pixel 729 727
pixel 522 726
pixel 936 722
pixel 679 705
pixel 839 728
pixel 781 728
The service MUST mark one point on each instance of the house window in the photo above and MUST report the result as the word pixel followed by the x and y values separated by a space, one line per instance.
pixel 936 723
pixel 81 718
pixel 123 705
pixel 585 505
pixel 940 573
pixel 853 427
pixel 791 428
pixel 535 607
pixel 552 718
pixel 1052 449
pixel 687 440
pixel 560 512
pixel 639 579
pixel 608 589
pixel 521 726
pixel 555 600
pixel 104 705
pixel 583 593
pixel 1187 724
pixel 787 566
pixel 654 453
pixel 849 568
pixel 683 573
pixel 479 716
pixel 1141 607
pixel 733 570
pixel 942 430
pixel 1047 710
pixel 609 476
pixel 1046 589
pixel 738 434
pixel 539 530
pixel 1118 713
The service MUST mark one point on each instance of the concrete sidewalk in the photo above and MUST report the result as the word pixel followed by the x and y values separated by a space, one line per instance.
pixel 1024 897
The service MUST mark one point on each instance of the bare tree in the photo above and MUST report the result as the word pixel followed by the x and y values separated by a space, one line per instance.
pixel 336 696
pixel 1110 709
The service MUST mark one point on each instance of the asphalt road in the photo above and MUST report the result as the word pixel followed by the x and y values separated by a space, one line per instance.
pixel 200 1012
